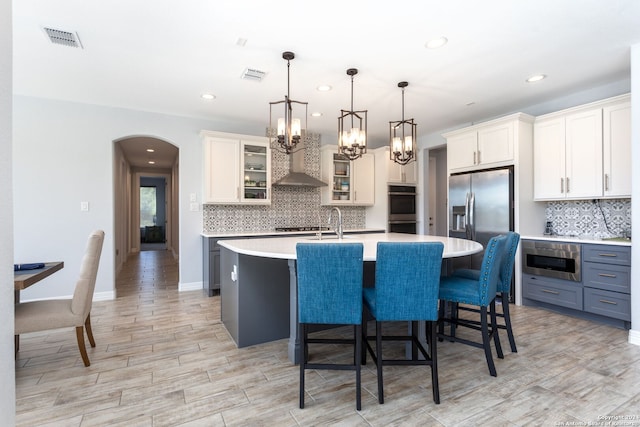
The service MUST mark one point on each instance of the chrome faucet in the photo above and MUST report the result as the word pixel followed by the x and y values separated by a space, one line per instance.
pixel 338 228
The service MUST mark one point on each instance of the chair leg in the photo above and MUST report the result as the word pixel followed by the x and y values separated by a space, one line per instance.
pixel 507 321
pixel 302 357
pixel 379 361
pixel 431 341
pixel 87 326
pixel 494 330
pixel 486 342
pixel 363 360
pixel 357 333
pixel 16 341
pixel 441 318
pixel 81 346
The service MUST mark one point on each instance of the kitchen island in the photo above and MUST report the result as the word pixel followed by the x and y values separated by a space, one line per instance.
pixel 258 281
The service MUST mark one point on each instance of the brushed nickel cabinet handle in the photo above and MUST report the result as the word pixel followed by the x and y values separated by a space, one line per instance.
pixel 608 302
pixel 608 255
pixel 613 276
pixel 562 185
pixel 606 182
pixel 568 190
pixel 479 157
pixel 547 291
pixel 474 158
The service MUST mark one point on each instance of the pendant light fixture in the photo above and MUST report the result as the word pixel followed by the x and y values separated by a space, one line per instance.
pixel 402 136
pixel 289 129
pixel 352 128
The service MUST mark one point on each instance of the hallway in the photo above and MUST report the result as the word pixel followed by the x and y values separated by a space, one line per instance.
pixel 163 358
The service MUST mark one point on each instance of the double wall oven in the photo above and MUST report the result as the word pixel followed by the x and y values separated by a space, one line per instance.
pixel 402 209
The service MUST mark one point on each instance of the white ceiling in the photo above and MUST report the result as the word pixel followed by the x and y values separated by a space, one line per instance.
pixel 161 56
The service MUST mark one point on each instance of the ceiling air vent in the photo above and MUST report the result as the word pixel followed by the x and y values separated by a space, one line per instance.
pixel 253 74
pixel 63 37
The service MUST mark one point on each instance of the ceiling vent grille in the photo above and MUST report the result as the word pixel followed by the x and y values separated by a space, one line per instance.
pixel 63 37
pixel 253 74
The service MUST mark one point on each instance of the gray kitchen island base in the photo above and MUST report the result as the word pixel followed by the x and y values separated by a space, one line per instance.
pixel 255 297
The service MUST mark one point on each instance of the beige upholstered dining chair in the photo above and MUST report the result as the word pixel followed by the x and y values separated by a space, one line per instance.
pixel 53 314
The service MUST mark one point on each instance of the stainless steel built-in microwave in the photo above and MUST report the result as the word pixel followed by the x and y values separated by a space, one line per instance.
pixel 552 259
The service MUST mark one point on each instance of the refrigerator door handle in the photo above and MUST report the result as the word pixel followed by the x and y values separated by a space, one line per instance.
pixel 467 217
pixel 472 220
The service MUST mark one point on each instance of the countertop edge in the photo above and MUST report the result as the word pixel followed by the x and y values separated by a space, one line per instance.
pixel 285 233
pixel 575 239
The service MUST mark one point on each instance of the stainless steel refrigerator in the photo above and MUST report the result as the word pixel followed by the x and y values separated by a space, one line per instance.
pixel 480 207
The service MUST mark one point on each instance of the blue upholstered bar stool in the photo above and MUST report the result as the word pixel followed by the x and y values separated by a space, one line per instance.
pixel 504 286
pixel 329 293
pixel 407 278
pixel 480 292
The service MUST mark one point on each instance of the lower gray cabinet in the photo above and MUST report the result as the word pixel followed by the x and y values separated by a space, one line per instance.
pixel 602 295
pixel 607 280
pixel 211 265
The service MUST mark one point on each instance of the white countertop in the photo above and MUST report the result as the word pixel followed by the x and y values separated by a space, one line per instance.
pixel 576 239
pixel 284 233
pixel 285 247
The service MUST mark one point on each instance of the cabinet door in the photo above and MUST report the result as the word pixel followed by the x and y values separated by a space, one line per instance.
pixel 495 144
pixel 221 170
pixel 335 170
pixel 584 154
pixel 549 159
pixel 617 150
pixel 364 180
pixel 256 172
pixel 462 150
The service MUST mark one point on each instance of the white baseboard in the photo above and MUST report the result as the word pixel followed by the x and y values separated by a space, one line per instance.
pixel 104 296
pixel 193 286
pixel 634 337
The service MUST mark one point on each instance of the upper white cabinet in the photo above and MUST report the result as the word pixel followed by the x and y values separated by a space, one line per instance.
pixel 350 182
pixel 400 174
pixel 583 152
pixel 486 145
pixel 616 144
pixel 237 169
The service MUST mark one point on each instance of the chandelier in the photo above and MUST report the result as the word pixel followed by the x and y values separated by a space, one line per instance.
pixel 402 136
pixel 352 141
pixel 289 129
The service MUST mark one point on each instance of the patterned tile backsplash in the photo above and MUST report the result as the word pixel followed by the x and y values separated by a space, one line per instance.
pixel 599 218
pixel 290 206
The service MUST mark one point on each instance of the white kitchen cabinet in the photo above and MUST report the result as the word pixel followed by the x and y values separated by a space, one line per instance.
pixel 583 152
pixel 350 182
pixel 616 144
pixel 237 169
pixel 481 146
pixel 401 174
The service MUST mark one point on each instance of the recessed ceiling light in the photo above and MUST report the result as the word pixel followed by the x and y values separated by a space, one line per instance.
pixel 436 43
pixel 316 114
pixel 241 42
pixel 208 96
pixel 536 78
pixel 470 104
pixel 323 88
pixel 150 150
pixel 151 162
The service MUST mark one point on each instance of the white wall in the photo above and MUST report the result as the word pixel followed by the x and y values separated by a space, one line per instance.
pixel 634 333
pixel 63 154
pixel 7 364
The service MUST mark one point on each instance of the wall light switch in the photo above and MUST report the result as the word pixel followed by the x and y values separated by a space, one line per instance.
pixel 84 206
pixel 192 197
pixel 193 207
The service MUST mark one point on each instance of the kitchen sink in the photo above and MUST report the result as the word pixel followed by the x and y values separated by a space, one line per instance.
pixel 328 237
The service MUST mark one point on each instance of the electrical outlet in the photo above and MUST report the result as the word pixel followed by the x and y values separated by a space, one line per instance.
pixel 84 206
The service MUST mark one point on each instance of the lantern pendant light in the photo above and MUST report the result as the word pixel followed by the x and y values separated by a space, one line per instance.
pixel 402 136
pixel 289 129
pixel 352 128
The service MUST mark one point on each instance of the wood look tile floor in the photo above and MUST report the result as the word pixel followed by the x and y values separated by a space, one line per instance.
pixel 164 358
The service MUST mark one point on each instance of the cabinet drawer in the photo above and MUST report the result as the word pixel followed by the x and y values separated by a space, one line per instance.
pixel 609 254
pixel 562 293
pixel 616 278
pixel 607 303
